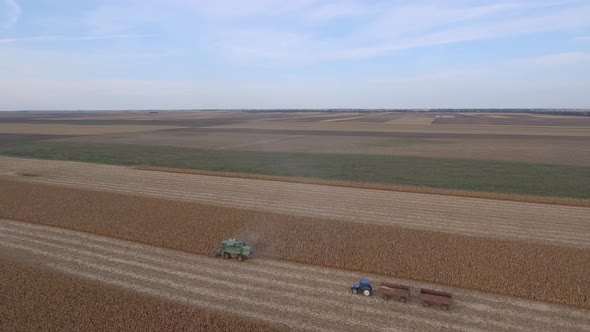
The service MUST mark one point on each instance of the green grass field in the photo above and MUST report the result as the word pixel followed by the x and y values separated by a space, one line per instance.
pixel 462 174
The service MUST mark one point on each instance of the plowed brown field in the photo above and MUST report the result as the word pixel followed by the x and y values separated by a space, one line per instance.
pixel 273 292
pixel 560 225
pixel 520 268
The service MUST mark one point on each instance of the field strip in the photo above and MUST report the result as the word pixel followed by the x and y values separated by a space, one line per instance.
pixel 230 294
pixel 331 192
pixel 346 128
pixel 212 293
pixel 271 190
pixel 574 236
pixel 179 193
pixel 265 283
pixel 287 271
pixel 115 173
pixel 209 281
pixel 557 224
pixel 184 194
pixel 184 287
pixel 229 289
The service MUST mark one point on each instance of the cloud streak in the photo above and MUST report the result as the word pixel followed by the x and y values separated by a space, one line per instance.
pixel 408 27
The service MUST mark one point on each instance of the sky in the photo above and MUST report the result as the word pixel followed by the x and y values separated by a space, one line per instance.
pixel 183 54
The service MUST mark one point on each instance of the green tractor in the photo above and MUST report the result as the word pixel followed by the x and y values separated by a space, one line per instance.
pixel 232 248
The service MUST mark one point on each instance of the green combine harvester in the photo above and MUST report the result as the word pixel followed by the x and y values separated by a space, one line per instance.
pixel 232 248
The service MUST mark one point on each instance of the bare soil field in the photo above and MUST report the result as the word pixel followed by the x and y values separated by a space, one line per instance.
pixel 19 138
pixel 413 119
pixel 519 268
pixel 88 274
pixel 563 225
pixel 316 117
pixel 513 120
pixel 62 129
pixel 419 133
pixel 544 150
pixel 550 131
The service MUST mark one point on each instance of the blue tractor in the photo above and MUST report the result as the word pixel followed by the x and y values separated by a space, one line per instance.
pixel 363 287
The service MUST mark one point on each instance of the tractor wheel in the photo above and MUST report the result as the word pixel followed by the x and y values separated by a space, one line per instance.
pixel 403 299
pixel 226 255
pixel 444 307
pixel 241 258
pixel 354 291
pixel 366 292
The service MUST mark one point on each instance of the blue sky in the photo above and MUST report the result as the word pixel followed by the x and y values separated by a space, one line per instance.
pixel 138 54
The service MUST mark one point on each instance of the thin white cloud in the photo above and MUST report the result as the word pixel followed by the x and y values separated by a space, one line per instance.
pixel 408 27
pixel 10 11
pixel 556 60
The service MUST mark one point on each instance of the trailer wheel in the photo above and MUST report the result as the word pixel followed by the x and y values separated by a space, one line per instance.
pixel 425 304
pixel 241 258
pixel 226 255
pixel 403 299
pixel 385 297
pixel 354 292
pixel 366 292
pixel 444 307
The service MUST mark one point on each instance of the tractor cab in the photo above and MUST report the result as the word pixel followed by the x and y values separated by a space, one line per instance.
pixel 232 243
pixel 232 248
pixel 364 287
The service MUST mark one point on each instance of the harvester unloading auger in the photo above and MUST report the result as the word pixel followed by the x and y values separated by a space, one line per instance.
pixel 232 248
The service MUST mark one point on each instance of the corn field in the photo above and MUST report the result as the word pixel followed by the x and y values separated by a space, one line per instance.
pixel 44 300
pixel 527 269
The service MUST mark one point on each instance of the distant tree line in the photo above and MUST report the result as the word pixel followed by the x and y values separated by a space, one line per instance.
pixel 572 112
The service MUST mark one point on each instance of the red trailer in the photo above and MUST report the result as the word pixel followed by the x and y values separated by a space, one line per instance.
pixel 389 290
pixel 428 297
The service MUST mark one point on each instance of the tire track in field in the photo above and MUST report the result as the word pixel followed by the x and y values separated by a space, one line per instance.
pixel 312 288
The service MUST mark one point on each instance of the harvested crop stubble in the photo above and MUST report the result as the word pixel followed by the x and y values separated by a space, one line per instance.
pixel 409 189
pixel 45 300
pixel 518 268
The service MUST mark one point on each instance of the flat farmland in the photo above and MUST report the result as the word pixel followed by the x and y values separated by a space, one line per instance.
pixel 503 178
pixel 512 119
pixel 538 150
pixel 109 221
pixel 583 131
pixel 277 293
pixel 64 129
pixel 564 225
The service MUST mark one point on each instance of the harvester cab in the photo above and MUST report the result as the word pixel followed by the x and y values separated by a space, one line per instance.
pixel 364 287
pixel 233 248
